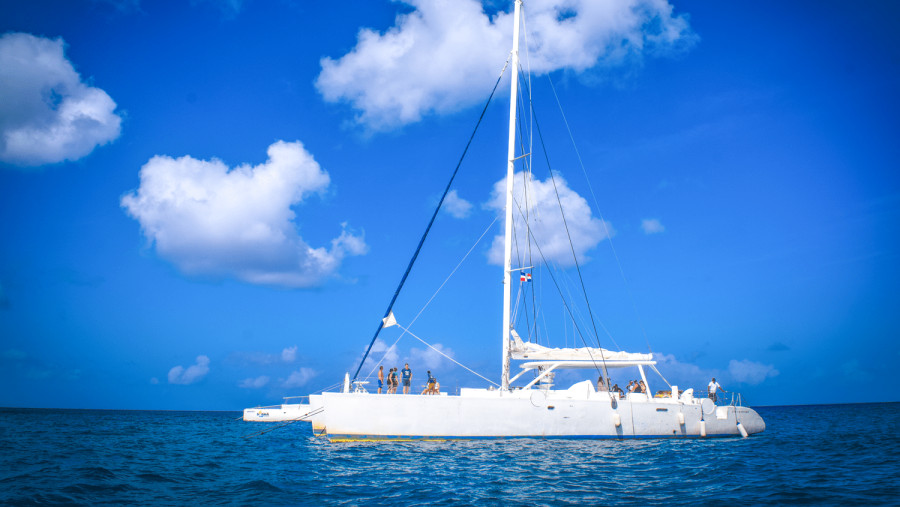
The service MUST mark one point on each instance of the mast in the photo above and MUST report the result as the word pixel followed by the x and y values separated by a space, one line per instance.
pixel 510 171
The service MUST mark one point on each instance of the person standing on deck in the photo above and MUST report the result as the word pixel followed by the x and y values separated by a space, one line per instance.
pixel 380 378
pixel 601 385
pixel 712 388
pixel 392 381
pixel 407 378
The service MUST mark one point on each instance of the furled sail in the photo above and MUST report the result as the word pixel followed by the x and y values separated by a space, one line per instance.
pixel 520 350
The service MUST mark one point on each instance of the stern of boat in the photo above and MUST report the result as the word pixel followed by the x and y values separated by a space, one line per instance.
pixel 751 421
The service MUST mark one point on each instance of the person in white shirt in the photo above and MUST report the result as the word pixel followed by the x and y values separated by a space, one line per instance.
pixel 713 387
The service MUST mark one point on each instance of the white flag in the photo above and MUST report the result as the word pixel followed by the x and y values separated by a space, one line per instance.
pixel 389 320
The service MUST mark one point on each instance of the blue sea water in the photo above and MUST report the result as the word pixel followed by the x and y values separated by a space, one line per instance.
pixel 828 454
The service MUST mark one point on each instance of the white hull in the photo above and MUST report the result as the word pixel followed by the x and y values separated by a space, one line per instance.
pixel 286 412
pixel 579 412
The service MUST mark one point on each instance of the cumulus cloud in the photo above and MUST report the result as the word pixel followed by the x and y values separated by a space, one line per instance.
pixel 428 61
pixel 47 114
pixel 456 206
pixel 217 222
pixel 289 354
pixel 193 373
pixel 546 221
pixel 681 373
pixel 652 226
pixel 299 378
pixel 254 383
pixel 380 350
pixel 750 372
pixel 430 358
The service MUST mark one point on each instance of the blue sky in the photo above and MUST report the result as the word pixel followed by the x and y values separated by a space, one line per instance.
pixel 207 205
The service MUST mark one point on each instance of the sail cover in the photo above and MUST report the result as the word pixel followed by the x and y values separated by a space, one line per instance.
pixel 527 350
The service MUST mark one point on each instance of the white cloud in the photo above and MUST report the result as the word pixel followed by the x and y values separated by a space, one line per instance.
pixel 254 383
pixel 456 205
pixel 430 59
pixel 193 373
pixel 380 350
pixel 47 114
pixel 652 226
pixel 684 375
pixel 154 380
pixel 213 221
pixel 546 221
pixel 750 372
pixel 299 378
pixel 289 354
pixel 430 358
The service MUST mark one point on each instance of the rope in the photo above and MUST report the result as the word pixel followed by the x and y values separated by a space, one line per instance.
pixel 430 223
pixel 292 421
pixel 435 293
pixel 561 296
pixel 448 357
pixel 602 220
pixel 537 126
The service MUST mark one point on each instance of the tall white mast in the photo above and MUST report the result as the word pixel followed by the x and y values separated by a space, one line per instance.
pixel 510 170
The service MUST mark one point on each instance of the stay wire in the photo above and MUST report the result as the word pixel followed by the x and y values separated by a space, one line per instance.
pixel 563 298
pixel 453 272
pixel 526 179
pixel 602 220
pixel 537 126
pixel 431 222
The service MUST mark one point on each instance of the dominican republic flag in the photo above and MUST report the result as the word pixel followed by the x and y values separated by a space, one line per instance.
pixel 526 277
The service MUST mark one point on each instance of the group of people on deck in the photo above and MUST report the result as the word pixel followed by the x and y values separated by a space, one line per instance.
pixel 634 386
pixel 432 386
pixel 393 379
pixel 603 386
pixel 639 386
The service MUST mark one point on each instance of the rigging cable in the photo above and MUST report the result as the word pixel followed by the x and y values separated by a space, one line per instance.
pixel 537 126
pixel 445 355
pixel 430 223
pixel 453 272
pixel 563 298
pixel 526 179
pixel 602 220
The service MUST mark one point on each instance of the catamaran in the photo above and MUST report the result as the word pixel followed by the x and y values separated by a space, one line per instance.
pixel 525 405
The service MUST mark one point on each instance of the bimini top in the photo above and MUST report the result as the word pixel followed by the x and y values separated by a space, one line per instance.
pixel 520 350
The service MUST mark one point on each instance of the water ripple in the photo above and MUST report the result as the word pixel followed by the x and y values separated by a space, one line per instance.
pixel 823 455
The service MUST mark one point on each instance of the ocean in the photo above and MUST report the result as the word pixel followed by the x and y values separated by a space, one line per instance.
pixel 822 454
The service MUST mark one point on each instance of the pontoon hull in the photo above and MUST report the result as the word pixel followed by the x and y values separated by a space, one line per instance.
pixel 523 414
pixel 286 412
